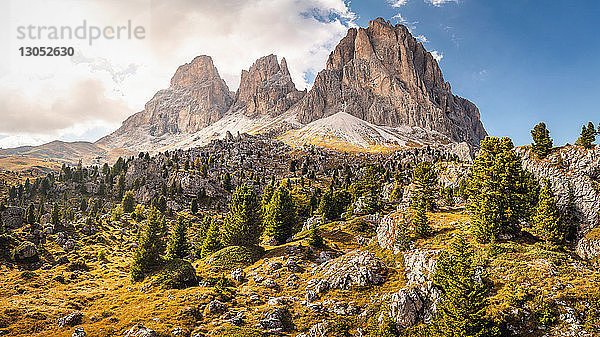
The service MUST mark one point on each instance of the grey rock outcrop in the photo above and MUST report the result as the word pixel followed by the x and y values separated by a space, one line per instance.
pixel 416 302
pixel 355 269
pixel 574 174
pixel 383 75
pixel 12 217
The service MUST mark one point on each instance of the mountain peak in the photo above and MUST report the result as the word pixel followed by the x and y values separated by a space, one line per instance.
pixel 266 88
pixel 384 76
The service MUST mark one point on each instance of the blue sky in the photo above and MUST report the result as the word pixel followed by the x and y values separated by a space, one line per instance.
pixel 521 61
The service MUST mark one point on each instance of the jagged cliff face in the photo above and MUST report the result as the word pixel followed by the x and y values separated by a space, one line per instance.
pixel 382 75
pixel 196 98
pixel 266 88
pixel 379 74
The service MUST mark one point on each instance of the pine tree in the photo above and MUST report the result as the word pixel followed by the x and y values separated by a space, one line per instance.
pixel 420 222
pixel 194 206
pixel 501 192
pixel 461 311
pixel 425 180
pixel 547 222
pixel 150 246
pixel 55 214
pixel 243 223
pixel 266 197
pixel 178 245
pixel 542 143
pixel 2 226
pixel 212 241
pixel 588 136
pixel 128 202
pixel 30 214
pixel 227 182
pixel 280 216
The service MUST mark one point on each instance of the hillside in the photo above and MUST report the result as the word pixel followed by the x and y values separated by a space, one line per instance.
pixel 351 263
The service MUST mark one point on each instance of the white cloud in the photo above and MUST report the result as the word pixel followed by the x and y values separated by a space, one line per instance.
pixel 439 3
pixel 438 56
pixel 422 38
pixel 40 96
pixel 397 3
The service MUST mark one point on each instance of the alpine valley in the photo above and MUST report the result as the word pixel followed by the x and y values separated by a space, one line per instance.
pixel 372 205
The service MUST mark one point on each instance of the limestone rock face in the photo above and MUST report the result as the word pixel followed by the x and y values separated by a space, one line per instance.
pixel 574 174
pixel 266 88
pixel 416 302
pixel 355 269
pixel 384 76
pixel 197 97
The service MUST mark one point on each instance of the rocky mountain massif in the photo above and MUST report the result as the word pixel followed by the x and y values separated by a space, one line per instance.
pixel 380 75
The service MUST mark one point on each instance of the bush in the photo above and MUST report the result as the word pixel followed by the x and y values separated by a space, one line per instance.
pixel 177 274
pixel 234 256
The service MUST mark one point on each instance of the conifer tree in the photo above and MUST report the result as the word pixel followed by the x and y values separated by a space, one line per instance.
pixel 266 197
pixel 542 143
pixel 55 214
pixel 30 214
pixel 83 205
pixel 547 222
pixel 243 223
pixel 326 206
pixel 280 216
pixel 212 242
pixel 425 180
pixel 461 311
pixel 227 181
pixel 501 192
pixel 128 202
pixel 194 206
pixel 150 246
pixel 420 222
pixel 588 136
pixel 178 245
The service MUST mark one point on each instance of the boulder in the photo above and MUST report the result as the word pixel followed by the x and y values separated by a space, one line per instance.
pixel 71 319
pixel 358 268
pixel 13 217
pixel 276 321
pixel 26 251
pixel 238 275
pixel 313 222
pixel 390 232
pixel 79 332
pixel 139 330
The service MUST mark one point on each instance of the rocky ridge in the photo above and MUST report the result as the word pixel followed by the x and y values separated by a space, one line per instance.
pixel 381 75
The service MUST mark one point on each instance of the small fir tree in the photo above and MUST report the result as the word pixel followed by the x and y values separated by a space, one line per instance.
pixel 542 143
pixel 30 214
pixel 194 206
pixel 280 216
pixel 147 256
pixel 243 223
pixel 178 244
pixel 212 241
pixel 547 222
pixel 461 311
pixel 420 222
pixel 425 180
pixel 128 202
pixel 55 214
pixel 501 193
